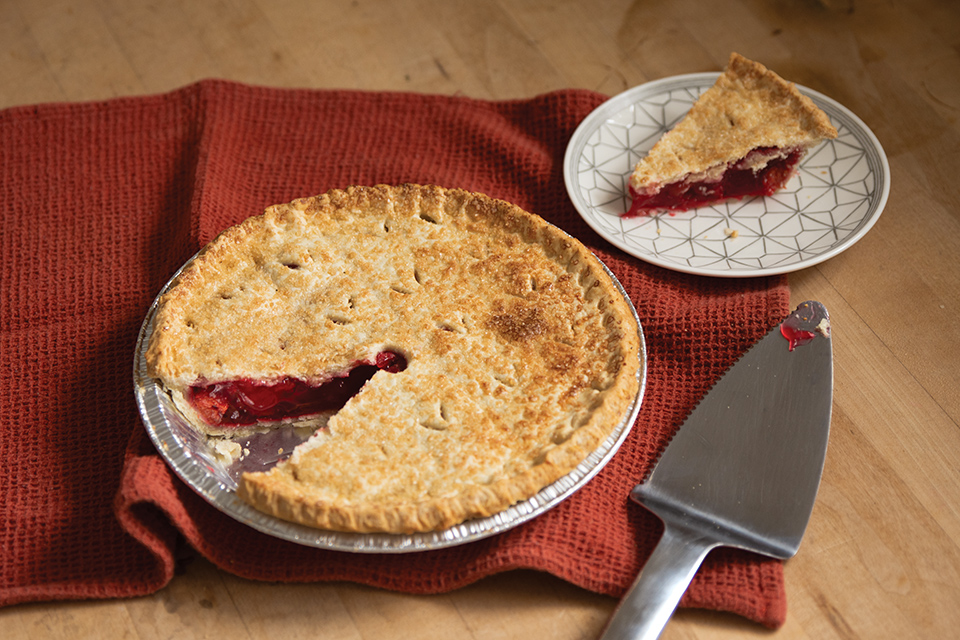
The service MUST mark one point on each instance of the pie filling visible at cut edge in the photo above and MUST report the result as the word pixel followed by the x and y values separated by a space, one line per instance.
pixel 245 402
pixel 745 136
pixel 460 353
pixel 740 179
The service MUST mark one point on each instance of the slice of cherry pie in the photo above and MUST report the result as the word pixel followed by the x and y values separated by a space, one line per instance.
pixel 454 353
pixel 743 137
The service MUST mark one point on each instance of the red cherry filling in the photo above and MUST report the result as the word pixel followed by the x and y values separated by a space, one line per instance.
pixel 739 180
pixel 237 403
pixel 796 336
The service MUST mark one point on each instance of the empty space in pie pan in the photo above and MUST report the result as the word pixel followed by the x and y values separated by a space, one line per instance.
pixel 189 454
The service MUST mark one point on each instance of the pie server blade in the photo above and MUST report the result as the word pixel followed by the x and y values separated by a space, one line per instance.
pixel 742 471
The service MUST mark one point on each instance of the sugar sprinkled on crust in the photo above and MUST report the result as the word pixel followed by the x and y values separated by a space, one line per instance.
pixel 748 107
pixel 522 354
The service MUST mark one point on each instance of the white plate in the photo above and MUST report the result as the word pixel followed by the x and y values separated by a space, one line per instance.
pixel 836 196
pixel 190 456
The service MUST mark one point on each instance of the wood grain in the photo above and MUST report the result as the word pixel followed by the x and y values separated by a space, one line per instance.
pixel 881 558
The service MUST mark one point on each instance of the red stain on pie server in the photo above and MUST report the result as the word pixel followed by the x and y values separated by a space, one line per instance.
pixel 808 321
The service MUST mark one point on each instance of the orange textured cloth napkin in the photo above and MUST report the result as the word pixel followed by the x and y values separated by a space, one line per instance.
pixel 103 201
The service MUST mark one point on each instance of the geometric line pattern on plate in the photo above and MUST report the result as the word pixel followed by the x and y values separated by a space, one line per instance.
pixel 829 198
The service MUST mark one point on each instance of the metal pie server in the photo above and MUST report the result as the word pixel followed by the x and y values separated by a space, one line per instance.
pixel 742 471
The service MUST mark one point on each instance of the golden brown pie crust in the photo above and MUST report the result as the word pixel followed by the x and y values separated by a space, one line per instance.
pixel 522 355
pixel 748 107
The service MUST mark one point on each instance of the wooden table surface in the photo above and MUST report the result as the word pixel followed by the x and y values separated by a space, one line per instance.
pixel 881 558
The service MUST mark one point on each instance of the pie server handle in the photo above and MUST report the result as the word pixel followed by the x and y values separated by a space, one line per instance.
pixel 647 606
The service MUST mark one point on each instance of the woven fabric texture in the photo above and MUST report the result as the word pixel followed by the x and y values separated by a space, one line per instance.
pixel 103 201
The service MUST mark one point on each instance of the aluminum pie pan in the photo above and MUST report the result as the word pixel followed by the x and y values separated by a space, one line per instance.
pixel 190 456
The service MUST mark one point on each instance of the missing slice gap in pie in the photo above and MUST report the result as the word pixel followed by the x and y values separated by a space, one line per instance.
pixel 454 353
pixel 745 136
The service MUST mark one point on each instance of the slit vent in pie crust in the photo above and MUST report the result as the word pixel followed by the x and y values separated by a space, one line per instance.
pixel 743 137
pixel 515 354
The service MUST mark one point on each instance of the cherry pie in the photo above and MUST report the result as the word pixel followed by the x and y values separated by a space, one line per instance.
pixel 743 137
pixel 454 353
